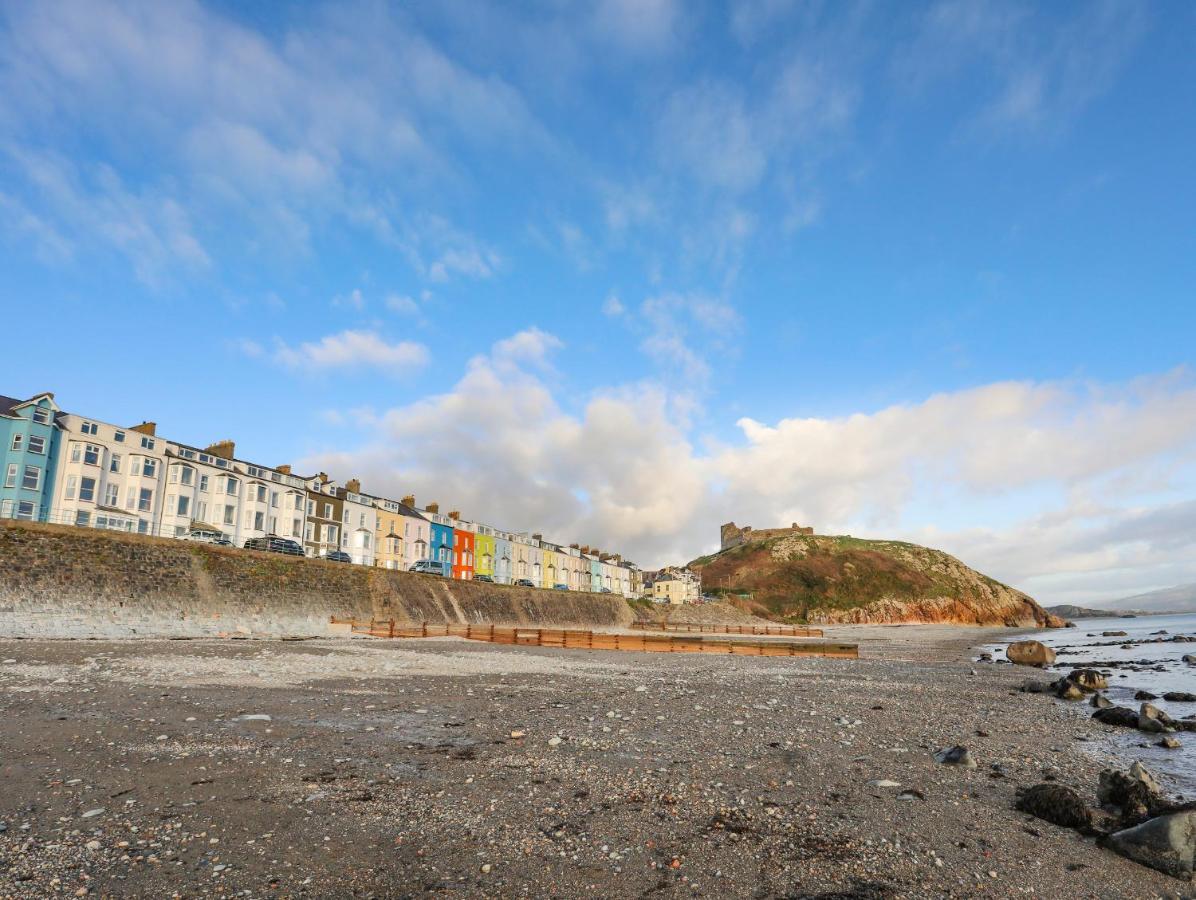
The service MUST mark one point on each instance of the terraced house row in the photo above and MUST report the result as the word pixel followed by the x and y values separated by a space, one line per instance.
pixel 70 469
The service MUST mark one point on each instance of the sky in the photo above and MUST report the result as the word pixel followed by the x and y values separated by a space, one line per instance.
pixel 622 271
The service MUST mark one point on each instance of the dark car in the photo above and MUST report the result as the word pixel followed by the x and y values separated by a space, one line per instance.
pixel 339 556
pixel 524 582
pixel 605 591
pixel 485 578
pixel 560 587
pixel 272 544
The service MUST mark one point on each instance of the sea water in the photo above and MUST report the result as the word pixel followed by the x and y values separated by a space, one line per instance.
pixel 1085 644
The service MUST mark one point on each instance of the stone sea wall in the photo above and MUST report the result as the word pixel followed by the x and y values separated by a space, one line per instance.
pixel 58 581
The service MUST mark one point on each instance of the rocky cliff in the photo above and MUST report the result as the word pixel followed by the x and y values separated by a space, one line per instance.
pixel 834 580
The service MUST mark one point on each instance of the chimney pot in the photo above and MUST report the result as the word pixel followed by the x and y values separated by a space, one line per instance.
pixel 409 500
pixel 433 507
pixel 285 468
pixel 149 428
pixel 354 485
pixel 455 514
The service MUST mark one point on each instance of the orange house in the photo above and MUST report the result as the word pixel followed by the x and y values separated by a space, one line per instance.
pixel 462 549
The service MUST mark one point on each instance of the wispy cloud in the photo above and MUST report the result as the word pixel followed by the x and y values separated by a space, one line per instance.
pixel 347 350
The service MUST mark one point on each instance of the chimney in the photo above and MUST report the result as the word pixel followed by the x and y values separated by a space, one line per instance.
pixel 223 449
pixel 409 500
pixel 353 485
pixel 433 507
pixel 537 537
pixel 285 469
pixel 455 514
pixel 585 549
pixel 575 546
pixel 323 478
pixel 149 428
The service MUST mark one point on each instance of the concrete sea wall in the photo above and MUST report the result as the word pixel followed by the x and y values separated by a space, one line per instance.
pixel 58 581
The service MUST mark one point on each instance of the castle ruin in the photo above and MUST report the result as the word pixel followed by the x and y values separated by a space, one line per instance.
pixel 732 535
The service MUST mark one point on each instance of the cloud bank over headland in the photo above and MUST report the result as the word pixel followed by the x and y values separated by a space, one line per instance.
pixel 1104 465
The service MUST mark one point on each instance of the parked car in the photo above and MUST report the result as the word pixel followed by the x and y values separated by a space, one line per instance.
pixel 205 535
pixel 272 544
pixel 431 567
pixel 339 556
pixel 523 582
pixel 223 542
pixel 605 591
pixel 560 587
pixel 485 578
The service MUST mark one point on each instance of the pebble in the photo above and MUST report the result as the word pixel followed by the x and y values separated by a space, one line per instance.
pixel 554 741
pixel 92 813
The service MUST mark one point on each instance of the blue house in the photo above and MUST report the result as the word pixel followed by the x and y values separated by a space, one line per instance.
pixel 29 440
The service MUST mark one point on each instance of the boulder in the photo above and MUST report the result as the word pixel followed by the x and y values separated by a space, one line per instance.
pixel 1121 716
pixel 1189 659
pixel 1088 679
pixel 1100 701
pixel 1145 695
pixel 1030 686
pixel 1030 653
pixel 1135 793
pixel 1167 843
pixel 1056 804
pixel 1179 697
pixel 1169 743
pixel 1151 726
pixel 1150 711
pixel 956 756
pixel 1113 634
pixel 1068 690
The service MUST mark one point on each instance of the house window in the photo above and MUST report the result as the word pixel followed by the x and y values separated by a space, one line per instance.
pixel 203 483
pixel 361 521
pixel 87 489
pixel 187 475
pixel 41 415
pixel 145 500
pixel 72 482
pixel 10 477
pixel 274 499
pixel 184 505
pixel 89 428
pixel 327 510
pixel 114 463
pixel 365 542
pixel 259 521
pixel 119 437
pixel 149 467
pixel 230 486
pixel 274 525
pixel 296 527
pixel 330 534
pixel 201 511
pixel 261 493
pixel 91 455
pixel 307 532
pixel 147 443
pixel 228 514
pixel 17 440
pixel 25 510
pixel 75 451
pixel 83 517
pixel 111 495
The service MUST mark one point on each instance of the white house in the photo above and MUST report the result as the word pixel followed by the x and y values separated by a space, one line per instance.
pixel 109 476
pixel 360 518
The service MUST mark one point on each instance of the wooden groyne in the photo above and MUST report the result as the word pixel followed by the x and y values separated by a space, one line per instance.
pixel 577 639
pixel 760 630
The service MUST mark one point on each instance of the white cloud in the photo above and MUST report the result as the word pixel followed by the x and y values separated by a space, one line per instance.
pixel 402 304
pixel 352 350
pixel 613 306
pixel 1034 483
pixel 639 25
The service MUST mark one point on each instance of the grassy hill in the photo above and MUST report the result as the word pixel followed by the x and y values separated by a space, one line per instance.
pixel 827 579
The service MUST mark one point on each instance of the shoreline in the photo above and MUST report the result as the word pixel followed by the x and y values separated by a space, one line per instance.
pixel 490 771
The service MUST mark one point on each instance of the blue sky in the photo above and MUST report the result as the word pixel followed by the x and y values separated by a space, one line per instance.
pixel 622 271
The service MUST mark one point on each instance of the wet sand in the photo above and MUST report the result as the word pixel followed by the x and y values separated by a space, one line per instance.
pixel 399 768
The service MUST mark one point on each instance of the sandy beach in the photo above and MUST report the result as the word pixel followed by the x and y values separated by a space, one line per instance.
pixel 398 768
